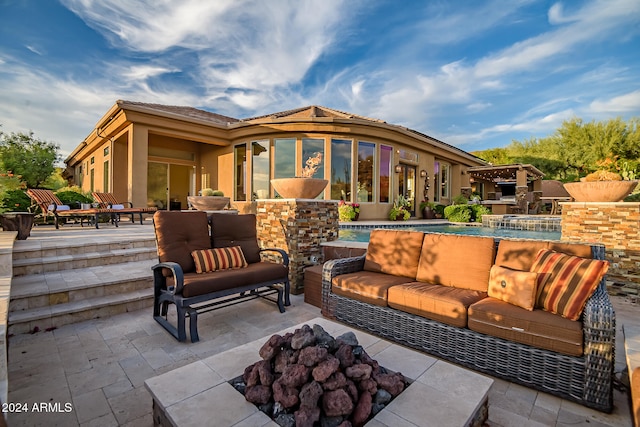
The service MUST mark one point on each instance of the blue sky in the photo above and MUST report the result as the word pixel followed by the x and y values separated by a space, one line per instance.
pixel 475 74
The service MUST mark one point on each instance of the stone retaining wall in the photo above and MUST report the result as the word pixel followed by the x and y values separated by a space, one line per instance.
pixel 617 226
pixel 298 226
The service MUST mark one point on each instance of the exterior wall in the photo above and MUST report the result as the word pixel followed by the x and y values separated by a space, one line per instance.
pixel 298 226
pixel 132 130
pixel 617 226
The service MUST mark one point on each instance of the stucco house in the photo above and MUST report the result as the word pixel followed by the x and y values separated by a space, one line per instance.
pixel 157 155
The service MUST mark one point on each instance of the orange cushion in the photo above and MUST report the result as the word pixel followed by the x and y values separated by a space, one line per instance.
pixel 365 286
pixel 455 260
pixel 520 254
pixel 566 282
pixel 394 252
pixel 513 286
pixel 218 259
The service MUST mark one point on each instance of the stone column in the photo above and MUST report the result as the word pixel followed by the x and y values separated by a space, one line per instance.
pixel 615 225
pixel 298 226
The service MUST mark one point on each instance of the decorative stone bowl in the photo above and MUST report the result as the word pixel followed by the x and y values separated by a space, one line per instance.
pixel 600 191
pixel 299 188
pixel 208 203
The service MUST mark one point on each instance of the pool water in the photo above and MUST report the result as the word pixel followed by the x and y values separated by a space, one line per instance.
pixel 362 235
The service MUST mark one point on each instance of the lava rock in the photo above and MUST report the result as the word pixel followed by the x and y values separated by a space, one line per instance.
pixel 306 416
pixel 348 338
pixel 271 347
pixel 295 376
pixel 264 372
pixel 335 381
pixel 345 356
pixel 312 355
pixel 358 372
pixel 382 397
pixel 324 339
pixel 393 383
pixel 287 397
pixel 310 394
pixel 303 337
pixel 325 369
pixel 368 386
pixel 285 420
pixel 331 421
pixel 362 410
pixel 336 403
pixel 258 394
pixel 251 376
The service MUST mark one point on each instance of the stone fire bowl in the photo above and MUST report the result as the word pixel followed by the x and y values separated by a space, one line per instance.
pixel 299 188
pixel 600 191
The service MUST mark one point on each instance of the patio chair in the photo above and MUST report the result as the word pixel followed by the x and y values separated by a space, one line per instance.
pixel 199 272
pixel 109 201
pixel 51 205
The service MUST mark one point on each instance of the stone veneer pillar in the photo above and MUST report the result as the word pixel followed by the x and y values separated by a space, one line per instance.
pixel 298 226
pixel 617 226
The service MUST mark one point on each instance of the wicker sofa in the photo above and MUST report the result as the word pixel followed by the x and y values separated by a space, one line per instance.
pixel 431 292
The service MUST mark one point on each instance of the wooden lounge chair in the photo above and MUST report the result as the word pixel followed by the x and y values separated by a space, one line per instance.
pixel 51 205
pixel 109 201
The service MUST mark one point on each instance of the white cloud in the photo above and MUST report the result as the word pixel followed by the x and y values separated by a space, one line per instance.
pixel 143 72
pixel 629 102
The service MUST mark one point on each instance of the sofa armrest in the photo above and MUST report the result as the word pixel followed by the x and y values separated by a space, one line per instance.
pixel 160 281
pixel 333 268
pixel 599 330
pixel 283 254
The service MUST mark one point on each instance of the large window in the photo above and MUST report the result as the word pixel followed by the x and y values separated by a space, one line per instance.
pixel 310 148
pixel 445 186
pixel 260 170
pixel 366 161
pixel 385 173
pixel 341 169
pixel 284 158
pixel 240 172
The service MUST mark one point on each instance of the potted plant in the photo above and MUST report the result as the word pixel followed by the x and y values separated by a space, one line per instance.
pixel 303 186
pixel 348 211
pixel 400 209
pixel 427 209
pixel 604 185
pixel 208 200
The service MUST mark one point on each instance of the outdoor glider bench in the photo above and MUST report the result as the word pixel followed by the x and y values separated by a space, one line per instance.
pixel 209 262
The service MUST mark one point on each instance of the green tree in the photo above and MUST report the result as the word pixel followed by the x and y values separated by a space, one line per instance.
pixel 28 156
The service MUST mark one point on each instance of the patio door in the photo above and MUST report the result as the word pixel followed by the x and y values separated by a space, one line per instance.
pixel 407 185
pixel 168 185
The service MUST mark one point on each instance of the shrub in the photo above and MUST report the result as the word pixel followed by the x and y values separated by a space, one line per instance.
pixel 458 213
pixel 477 211
pixel 73 198
pixel 218 193
pixel 14 201
pixel 346 212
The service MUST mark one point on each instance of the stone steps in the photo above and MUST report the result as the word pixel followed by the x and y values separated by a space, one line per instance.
pixel 73 280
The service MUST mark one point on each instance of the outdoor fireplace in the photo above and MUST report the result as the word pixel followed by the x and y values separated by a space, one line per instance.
pixel 308 377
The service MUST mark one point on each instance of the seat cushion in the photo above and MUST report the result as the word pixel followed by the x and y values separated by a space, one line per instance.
pixel 365 286
pixel 236 230
pixel 565 282
pixel 537 328
pixel 180 233
pixel 259 272
pixel 457 261
pixel 520 254
pixel 441 303
pixel 394 252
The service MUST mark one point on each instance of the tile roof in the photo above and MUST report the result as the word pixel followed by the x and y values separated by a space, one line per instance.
pixel 312 111
pixel 190 112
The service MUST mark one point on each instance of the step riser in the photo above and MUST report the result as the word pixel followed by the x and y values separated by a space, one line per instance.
pixel 38 301
pixel 56 321
pixel 94 260
pixel 80 249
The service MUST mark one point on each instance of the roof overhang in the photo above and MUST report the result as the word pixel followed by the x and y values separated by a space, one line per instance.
pixel 500 173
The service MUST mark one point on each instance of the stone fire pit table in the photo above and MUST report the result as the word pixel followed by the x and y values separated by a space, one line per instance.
pixel 441 394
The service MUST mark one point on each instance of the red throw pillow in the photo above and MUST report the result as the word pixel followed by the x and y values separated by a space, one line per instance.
pixel 218 259
pixel 566 282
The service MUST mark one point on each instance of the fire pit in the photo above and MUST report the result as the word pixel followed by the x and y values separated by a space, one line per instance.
pixel 307 376
pixel 200 394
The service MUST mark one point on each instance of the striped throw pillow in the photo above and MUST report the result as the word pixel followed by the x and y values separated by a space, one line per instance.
pixel 566 282
pixel 218 259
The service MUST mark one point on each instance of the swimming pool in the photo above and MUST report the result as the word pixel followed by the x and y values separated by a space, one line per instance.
pixel 362 234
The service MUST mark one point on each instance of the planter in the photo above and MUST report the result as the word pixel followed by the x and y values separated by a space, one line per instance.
pixel 17 221
pixel 208 203
pixel 299 188
pixel 600 191
pixel 428 213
